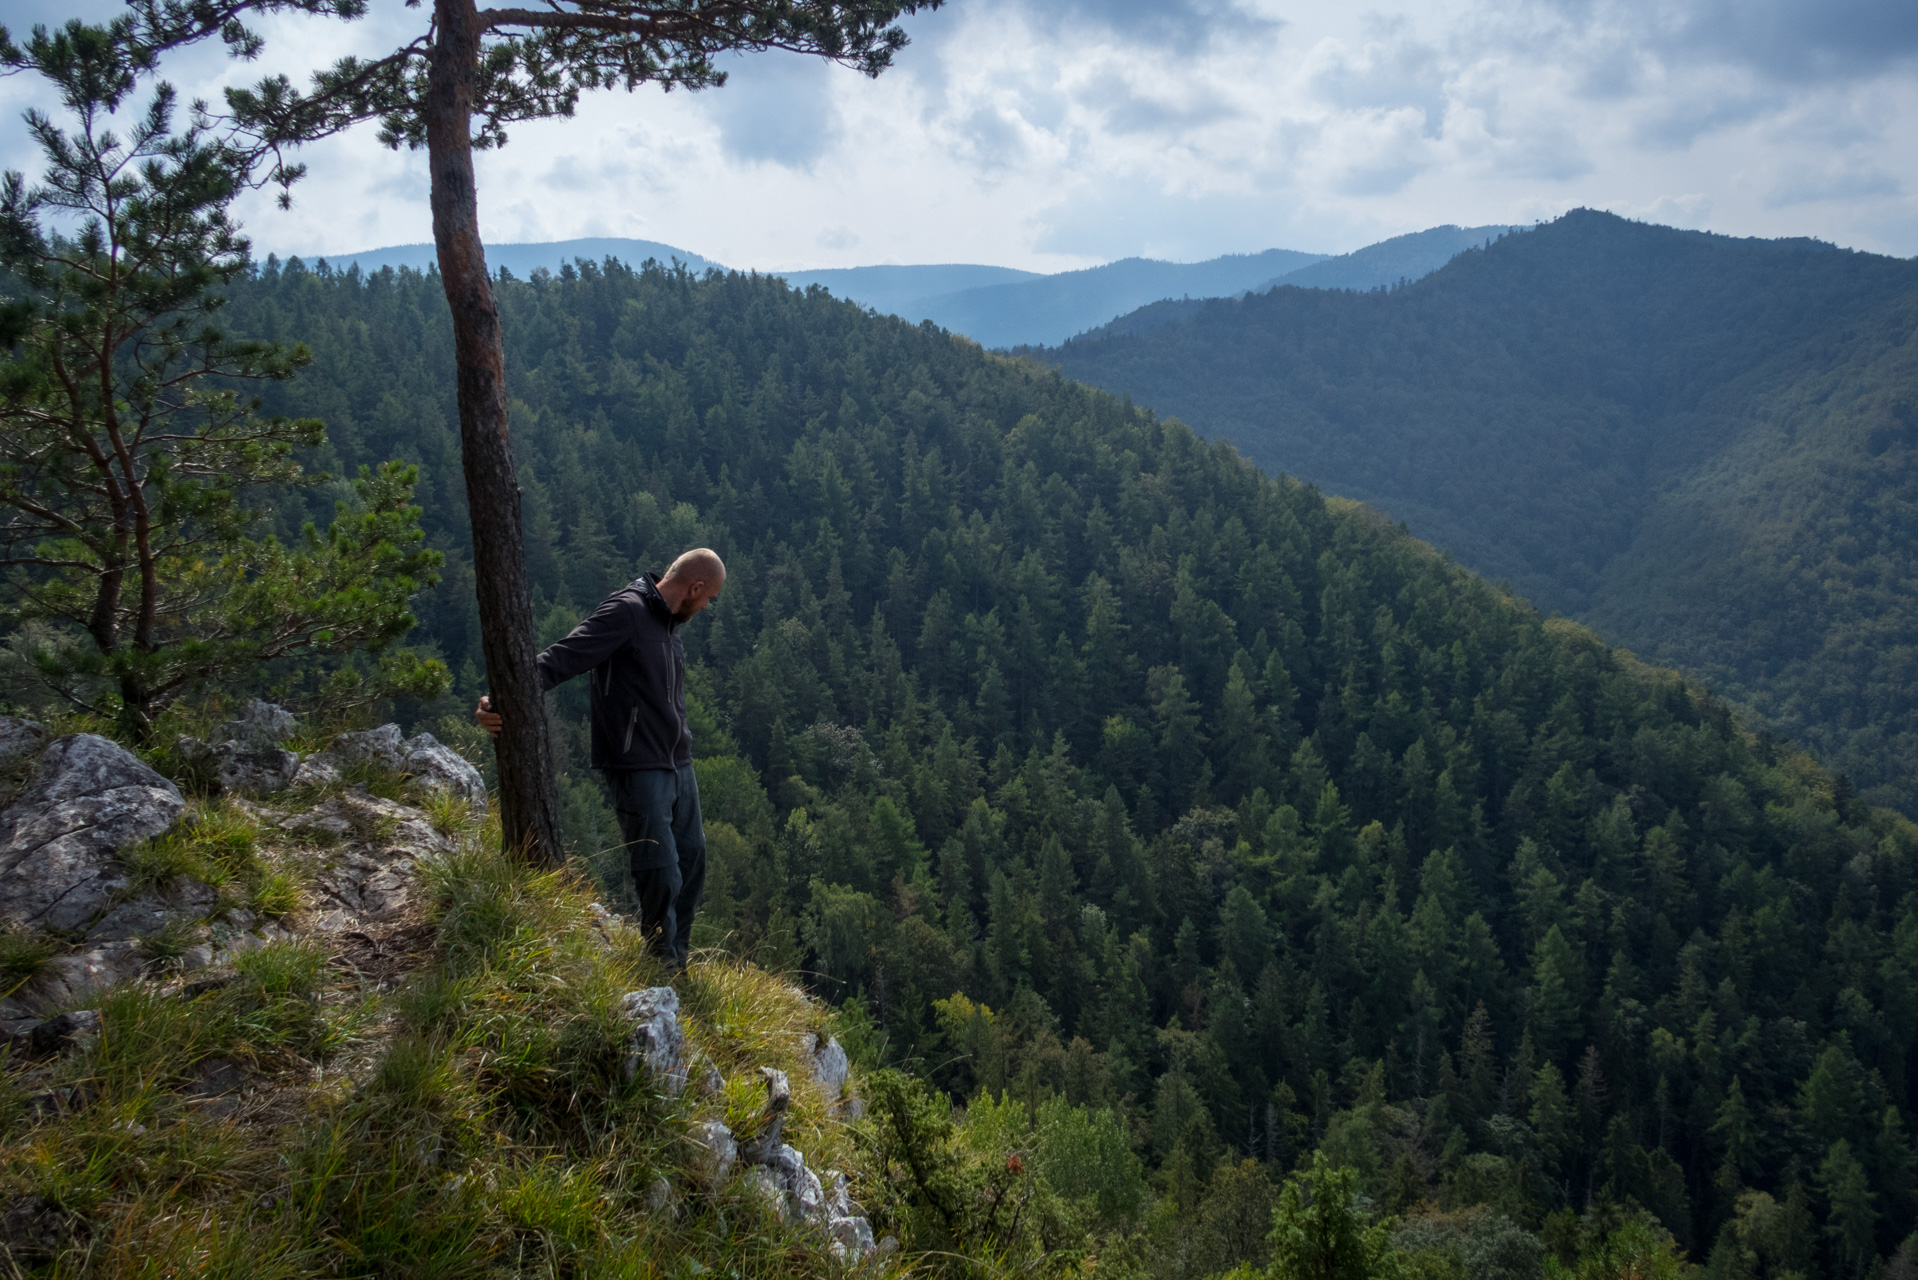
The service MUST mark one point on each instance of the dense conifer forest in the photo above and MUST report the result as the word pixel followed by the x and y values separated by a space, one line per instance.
pixel 1097 773
pixel 1702 446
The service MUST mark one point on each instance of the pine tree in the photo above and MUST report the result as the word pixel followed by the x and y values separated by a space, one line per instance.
pixel 1851 1213
pixel 1181 742
pixel 1554 1006
pixel 1241 741
pixel 127 456
pixel 1318 1232
pixel 1734 1132
pixel 1553 1121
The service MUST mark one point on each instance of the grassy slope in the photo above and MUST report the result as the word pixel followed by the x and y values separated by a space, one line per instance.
pixel 457 1111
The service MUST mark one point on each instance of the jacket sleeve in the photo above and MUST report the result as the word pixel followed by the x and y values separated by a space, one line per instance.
pixel 587 645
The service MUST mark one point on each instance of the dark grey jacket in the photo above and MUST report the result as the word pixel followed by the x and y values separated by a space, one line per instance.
pixel 630 651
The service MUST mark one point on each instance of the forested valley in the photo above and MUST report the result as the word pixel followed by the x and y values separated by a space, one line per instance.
pixel 1701 446
pixel 1181 821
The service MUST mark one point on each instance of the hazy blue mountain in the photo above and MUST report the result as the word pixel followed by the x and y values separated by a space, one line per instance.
pixel 898 290
pixel 1052 308
pixel 1402 258
pixel 1705 447
pixel 1006 307
pixel 523 259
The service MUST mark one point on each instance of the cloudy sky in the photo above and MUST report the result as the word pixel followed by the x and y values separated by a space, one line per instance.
pixel 1050 134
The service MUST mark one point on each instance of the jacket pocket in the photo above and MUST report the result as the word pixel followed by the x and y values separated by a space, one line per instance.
pixel 632 722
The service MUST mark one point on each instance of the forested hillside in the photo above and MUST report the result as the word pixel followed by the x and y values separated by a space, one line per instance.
pixel 1081 759
pixel 1702 446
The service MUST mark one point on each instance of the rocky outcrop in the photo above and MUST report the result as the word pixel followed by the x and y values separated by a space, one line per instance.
pixel 849 1229
pixel 714 1152
pixel 87 799
pixel 146 915
pixel 777 1172
pixel 830 1066
pixel 421 757
pixel 434 764
pixel 247 758
pixel 656 1043
pixel 229 770
pixel 366 875
pixel 832 1071
pixel 260 726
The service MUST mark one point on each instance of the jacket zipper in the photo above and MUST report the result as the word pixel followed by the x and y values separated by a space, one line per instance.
pixel 632 721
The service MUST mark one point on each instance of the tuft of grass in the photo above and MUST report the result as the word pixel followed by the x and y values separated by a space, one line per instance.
pixel 449 814
pixel 23 954
pixel 286 970
pixel 213 842
pixel 171 942
pixel 216 843
pixel 387 784
pixel 277 891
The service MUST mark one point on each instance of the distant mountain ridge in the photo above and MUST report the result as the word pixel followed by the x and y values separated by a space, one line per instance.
pixel 1055 307
pixel 1399 260
pixel 1004 307
pixel 1705 447
pixel 898 290
pixel 523 259
pixel 1389 262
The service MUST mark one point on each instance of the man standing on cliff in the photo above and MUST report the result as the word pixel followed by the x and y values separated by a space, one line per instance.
pixel 630 652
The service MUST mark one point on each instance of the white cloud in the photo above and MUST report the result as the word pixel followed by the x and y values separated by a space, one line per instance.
pixel 1054 133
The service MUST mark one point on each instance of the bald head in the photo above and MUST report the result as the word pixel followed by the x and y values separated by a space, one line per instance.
pixel 700 562
pixel 692 582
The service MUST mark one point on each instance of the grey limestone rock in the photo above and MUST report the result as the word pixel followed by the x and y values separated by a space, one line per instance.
pixel 436 765
pixel 798 1194
pixel 255 773
pixel 371 877
pixel 260 727
pixel 144 916
pixel 711 1082
pixel 847 1228
pixel 715 1151
pixel 791 1187
pixel 422 757
pixel 247 759
pixel 361 886
pixel 73 977
pixel 317 770
pixel 833 1071
pixel 763 1183
pixel 657 1043
pixel 88 798
pixel 381 745
pixel 829 1065
pixel 765 1144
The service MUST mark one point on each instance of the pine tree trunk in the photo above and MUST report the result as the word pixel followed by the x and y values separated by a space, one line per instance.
pixel 528 798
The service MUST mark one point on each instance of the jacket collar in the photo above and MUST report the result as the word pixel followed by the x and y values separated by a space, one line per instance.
pixel 648 584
